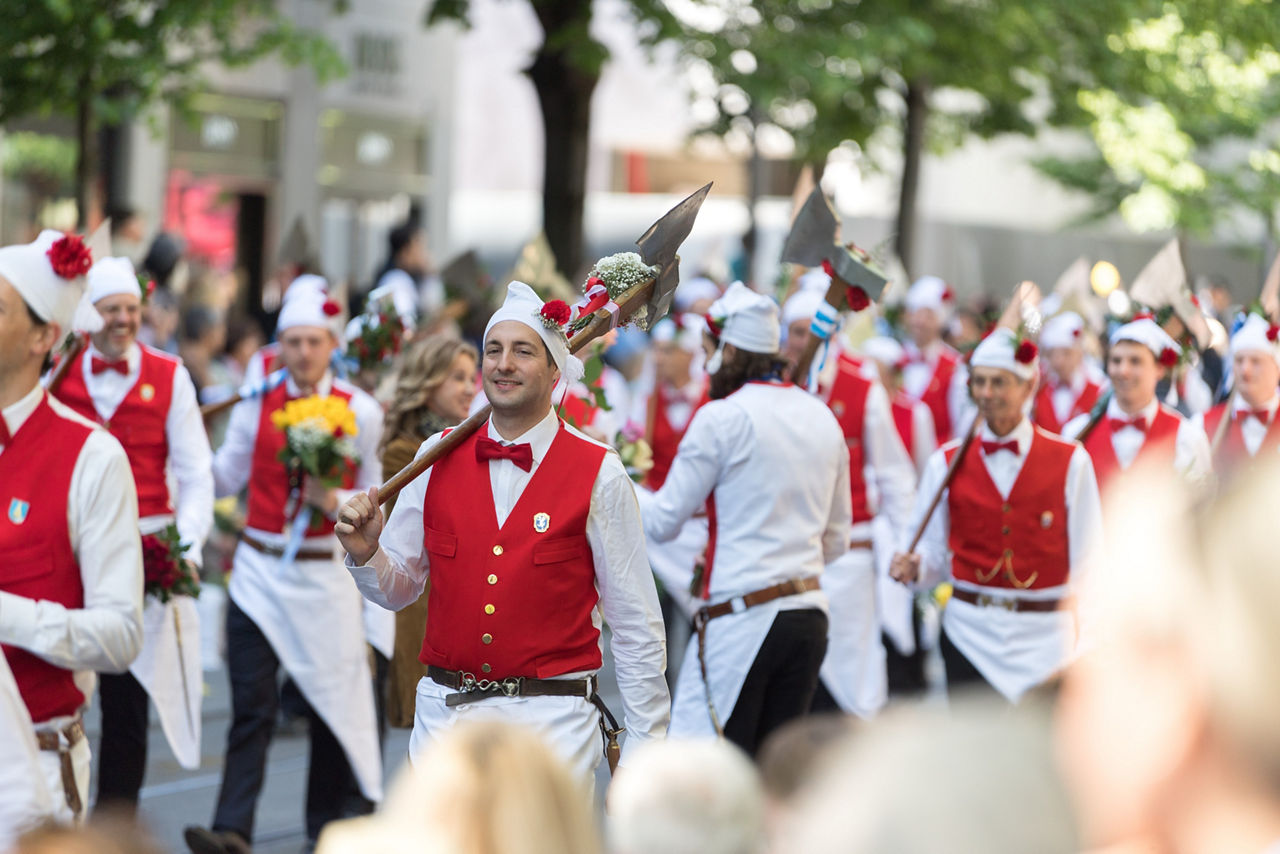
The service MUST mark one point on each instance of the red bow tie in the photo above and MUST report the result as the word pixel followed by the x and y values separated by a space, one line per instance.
pixel 487 449
pixel 990 448
pixel 5 437
pixel 1139 423
pixel 120 366
pixel 1263 415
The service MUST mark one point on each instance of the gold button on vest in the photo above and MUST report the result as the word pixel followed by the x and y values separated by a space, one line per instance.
pixel 486 638
pixel 489 609
pixel 497 550
pixel 484 668
pixel 493 579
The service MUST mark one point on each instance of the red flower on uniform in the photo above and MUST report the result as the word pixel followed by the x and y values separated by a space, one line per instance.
pixel 857 297
pixel 1026 352
pixel 1168 357
pixel 331 308
pixel 1273 332
pixel 713 325
pixel 70 257
pixel 555 313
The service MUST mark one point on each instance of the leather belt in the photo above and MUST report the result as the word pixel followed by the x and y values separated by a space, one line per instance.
pixel 470 690
pixel 707 613
pixel 60 742
pixel 858 545
pixel 1007 603
pixel 278 552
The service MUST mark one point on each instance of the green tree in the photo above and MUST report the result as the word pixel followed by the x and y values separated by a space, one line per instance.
pixel 564 72
pixel 107 60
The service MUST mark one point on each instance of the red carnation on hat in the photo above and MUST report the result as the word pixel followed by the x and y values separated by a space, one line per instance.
pixel 1168 357
pixel 555 313
pixel 331 308
pixel 857 297
pixel 1144 315
pixel 69 256
pixel 947 294
pixel 1026 352
pixel 1273 332
pixel 713 325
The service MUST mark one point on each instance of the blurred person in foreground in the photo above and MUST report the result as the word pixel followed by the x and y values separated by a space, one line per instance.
pixel 112 834
pixel 71 580
pixel 1167 726
pixel 482 788
pixel 433 392
pixel 687 797
pixel 1012 530
pixel 976 778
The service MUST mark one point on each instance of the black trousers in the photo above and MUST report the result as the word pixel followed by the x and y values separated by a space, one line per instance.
pixel 782 679
pixel 962 677
pixel 255 699
pixel 122 756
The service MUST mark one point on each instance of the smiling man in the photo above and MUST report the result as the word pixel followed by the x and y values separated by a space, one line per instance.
pixel 531 535
pixel 145 398
pixel 1255 366
pixel 1011 532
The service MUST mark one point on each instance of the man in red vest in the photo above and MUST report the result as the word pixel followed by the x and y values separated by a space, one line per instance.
pixel 302 613
pixel 769 463
pixel 1136 424
pixel 882 483
pixel 531 535
pixel 912 418
pixel 1255 368
pixel 1011 532
pixel 71 579
pixel 933 373
pixel 1067 390
pixel 145 398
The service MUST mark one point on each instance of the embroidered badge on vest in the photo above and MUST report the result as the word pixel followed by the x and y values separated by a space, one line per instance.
pixel 1046 519
pixel 838 408
pixel 541 522
pixel 147 392
pixel 18 511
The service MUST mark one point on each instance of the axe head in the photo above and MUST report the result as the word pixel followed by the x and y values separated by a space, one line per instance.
pixel 815 237
pixel 658 247
pixel 462 274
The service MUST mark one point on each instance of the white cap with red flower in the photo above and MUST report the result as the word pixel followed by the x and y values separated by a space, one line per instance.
pixel 1062 331
pixel 1257 334
pixel 930 292
pixel 1144 330
pixel 307 303
pixel 1006 350
pixel 549 320
pixel 49 274
pixel 746 319
pixel 111 276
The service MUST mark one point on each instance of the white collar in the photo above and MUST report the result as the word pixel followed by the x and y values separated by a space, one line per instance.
pixel 16 414
pixel 538 437
pixel 1145 413
pixel 1022 434
pixel 322 388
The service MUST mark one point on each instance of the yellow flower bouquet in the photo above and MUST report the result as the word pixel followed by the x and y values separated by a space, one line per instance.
pixel 318 440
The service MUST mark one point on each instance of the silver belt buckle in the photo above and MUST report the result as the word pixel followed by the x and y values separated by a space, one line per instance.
pixel 986 600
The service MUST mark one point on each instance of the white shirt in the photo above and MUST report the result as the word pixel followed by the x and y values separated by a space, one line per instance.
pixel 190 459
pixel 778 465
pixel 233 462
pixel 102 522
pixel 1014 651
pixel 1064 396
pixel 397 573
pixel 919 371
pixel 1191 448
pixel 1251 429
pixel 890 475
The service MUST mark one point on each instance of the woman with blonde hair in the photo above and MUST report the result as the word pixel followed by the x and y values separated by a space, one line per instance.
pixel 486 787
pixel 433 391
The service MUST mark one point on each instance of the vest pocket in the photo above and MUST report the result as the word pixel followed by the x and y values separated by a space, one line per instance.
pixel 441 543
pixel 556 551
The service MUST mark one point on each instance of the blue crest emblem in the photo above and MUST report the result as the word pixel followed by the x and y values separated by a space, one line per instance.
pixel 541 522
pixel 18 511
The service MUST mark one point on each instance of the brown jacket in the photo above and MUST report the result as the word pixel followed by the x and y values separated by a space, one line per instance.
pixel 411 622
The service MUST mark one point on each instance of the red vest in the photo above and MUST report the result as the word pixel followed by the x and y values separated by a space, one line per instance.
pixel 1044 415
pixel 1162 435
pixel 515 600
pixel 1233 447
pixel 269 481
pixel 664 439
pixel 35 481
pixel 848 402
pixel 935 394
pixel 1021 542
pixel 138 423
pixel 269 356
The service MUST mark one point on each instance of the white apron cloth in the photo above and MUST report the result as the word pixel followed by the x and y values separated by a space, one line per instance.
pixel 895 600
pixel 167 654
pixel 25 800
pixel 379 627
pixel 854 667
pixel 673 562
pixel 310 612
pixel 1013 650
pixel 569 724
pixel 732 644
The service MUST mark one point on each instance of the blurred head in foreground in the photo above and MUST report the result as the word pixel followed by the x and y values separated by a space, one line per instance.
pixel 977 778
pixel 483 788
pixel 686 797
pixel 1167 726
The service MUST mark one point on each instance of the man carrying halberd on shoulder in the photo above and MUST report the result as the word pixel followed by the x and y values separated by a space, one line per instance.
pixel 531 536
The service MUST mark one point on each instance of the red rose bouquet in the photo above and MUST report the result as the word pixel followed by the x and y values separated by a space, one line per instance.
pixel 165 571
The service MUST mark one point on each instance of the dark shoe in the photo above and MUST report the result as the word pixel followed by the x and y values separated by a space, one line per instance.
pixel 202 841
